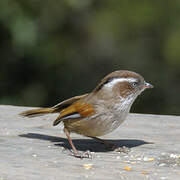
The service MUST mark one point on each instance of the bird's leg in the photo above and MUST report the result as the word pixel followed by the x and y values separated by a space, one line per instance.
pixel 70 142
pixel 75 151
pixel 112 146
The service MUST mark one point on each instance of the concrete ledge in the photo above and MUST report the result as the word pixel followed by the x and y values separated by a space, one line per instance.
pixel 34 149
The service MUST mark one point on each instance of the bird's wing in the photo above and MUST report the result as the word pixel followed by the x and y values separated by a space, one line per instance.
pixel 77 110
pixel 55 109
pixel 64 104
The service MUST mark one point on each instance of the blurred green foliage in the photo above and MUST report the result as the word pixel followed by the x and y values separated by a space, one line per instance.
pixel 51 50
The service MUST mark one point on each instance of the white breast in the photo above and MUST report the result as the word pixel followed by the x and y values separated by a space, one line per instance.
pixel 112 118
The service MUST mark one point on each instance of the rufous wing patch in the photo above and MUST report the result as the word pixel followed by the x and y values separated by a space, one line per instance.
pixel 80 107
pixel 84 109
pixel 64 104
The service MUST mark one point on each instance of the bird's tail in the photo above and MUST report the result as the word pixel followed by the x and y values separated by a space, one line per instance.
pixel 37 112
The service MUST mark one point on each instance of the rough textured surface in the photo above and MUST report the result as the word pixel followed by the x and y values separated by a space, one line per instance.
pixel 34 149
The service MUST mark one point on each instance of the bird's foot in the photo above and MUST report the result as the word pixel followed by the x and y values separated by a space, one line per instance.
pixel 122 149
pixel 86 154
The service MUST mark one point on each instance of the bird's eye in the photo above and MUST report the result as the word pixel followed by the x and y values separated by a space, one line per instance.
pixel 134 84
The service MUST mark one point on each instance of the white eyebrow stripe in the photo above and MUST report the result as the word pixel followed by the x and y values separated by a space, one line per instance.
pixel 117 80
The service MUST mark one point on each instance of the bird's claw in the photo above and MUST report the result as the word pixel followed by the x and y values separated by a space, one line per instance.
pixel 123 149
pixel 86 154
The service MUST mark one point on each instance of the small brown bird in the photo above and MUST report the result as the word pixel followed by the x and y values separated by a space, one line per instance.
pixel 99 112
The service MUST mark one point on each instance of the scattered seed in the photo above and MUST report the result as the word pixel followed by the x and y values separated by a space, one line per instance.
pixel 118 157
pixel 126 161
pixel 148 159
pixel 174 156
pixel 87 166
pixel 144 172
pixel 163 178
pixel 133 162
pixel 127 168
pixel 162 164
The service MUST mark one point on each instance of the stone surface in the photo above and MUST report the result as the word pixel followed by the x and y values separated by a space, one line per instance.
pixel 31 148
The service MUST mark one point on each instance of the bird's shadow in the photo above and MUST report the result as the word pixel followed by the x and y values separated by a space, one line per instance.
pixel 85 144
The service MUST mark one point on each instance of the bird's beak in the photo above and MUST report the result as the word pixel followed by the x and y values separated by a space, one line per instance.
pixel 147 85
